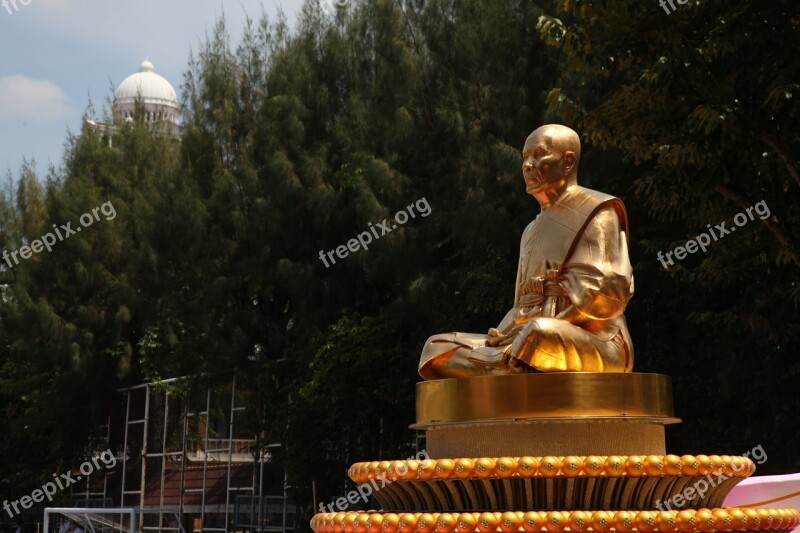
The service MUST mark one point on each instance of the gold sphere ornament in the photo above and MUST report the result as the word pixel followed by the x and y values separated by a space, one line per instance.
pixel 426 469
pixel 766 518
pixel 753 519
pixel 654 465
pixel 634 466
pixel 549 466
pixel 426 523
pixel 391 522
pixel 704 519
pixel 579 521
pixel 533 521
pixel 338 522
pixel 686 521
pixel 445 468
pixel 398 470
pixel 722 519
pixel 738 519
pixel 780 520
pixel 666 521
pixel 349 522
pixel 727 461
pixel 506 467
pixel 739 466
pixel 510 521
pixel 645 521
pixel 624 521
pixel 372 469
pixel 795 519
pixel 488 523
pixel 407 523
pixel 413 468
pixel 593 465
pixel 672 465
pixel 467 522
pixel 615 466
pixel 602 521
pixel 689 465
pixel 464 468
pixel 716 464
pixel 484 467
pixel 383 468
pixel 705 465
pixel 554 521
pixel 374 523
pixel 445 523
pixel 571 465
pixel 360 523
pixel 527 466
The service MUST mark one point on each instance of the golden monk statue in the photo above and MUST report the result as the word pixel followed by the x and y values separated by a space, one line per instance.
pixel 574 280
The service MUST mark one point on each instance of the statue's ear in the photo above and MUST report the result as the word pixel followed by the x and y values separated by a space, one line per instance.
pixel 570 160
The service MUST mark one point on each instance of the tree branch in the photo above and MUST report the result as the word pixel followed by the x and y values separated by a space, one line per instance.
pixel 783 157
pixel 744 203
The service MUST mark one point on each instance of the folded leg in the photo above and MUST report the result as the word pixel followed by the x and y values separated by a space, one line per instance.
pixel 552 345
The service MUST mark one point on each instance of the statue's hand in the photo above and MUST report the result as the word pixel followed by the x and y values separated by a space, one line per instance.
pixel 495 337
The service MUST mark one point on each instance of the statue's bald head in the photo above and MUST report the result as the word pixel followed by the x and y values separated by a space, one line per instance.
pixel 558 138
pixel 550 162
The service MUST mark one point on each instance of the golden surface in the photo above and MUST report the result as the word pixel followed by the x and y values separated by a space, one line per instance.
pixel 550 483
pixel 552 396
pixel 617 436
pixel 686 521
pixel 574 280
pixel 570 466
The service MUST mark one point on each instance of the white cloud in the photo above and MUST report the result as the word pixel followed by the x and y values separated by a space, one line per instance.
pixel 23 97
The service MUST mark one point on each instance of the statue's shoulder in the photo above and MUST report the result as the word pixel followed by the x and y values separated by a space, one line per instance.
pixel 530 227
pixel 588 202
pixel 589 197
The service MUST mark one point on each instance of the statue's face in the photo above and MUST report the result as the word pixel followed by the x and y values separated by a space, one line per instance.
pixel 545 165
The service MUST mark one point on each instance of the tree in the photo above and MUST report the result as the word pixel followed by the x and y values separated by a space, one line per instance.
pixel 700 103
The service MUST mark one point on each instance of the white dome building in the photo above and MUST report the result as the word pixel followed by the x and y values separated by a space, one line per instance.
pixel 156 93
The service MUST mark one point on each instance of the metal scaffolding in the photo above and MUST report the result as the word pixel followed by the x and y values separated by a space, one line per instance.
pixel 185 468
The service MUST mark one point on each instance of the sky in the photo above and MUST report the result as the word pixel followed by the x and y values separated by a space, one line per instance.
pixel 57 54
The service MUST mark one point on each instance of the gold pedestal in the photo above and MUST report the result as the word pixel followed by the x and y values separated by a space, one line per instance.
pixel 576 413
pixel 511 439
pixel 556 452
pixel 564 396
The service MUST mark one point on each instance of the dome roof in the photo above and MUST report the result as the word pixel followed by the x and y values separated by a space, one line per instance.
pixel 148 85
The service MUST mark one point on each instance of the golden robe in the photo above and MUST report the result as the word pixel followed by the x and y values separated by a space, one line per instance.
pixel 572 317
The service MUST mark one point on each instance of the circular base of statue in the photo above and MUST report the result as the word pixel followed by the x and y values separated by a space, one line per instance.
pixel 686 521
pixel 551 483
pixel 558 413
pixel 540 438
